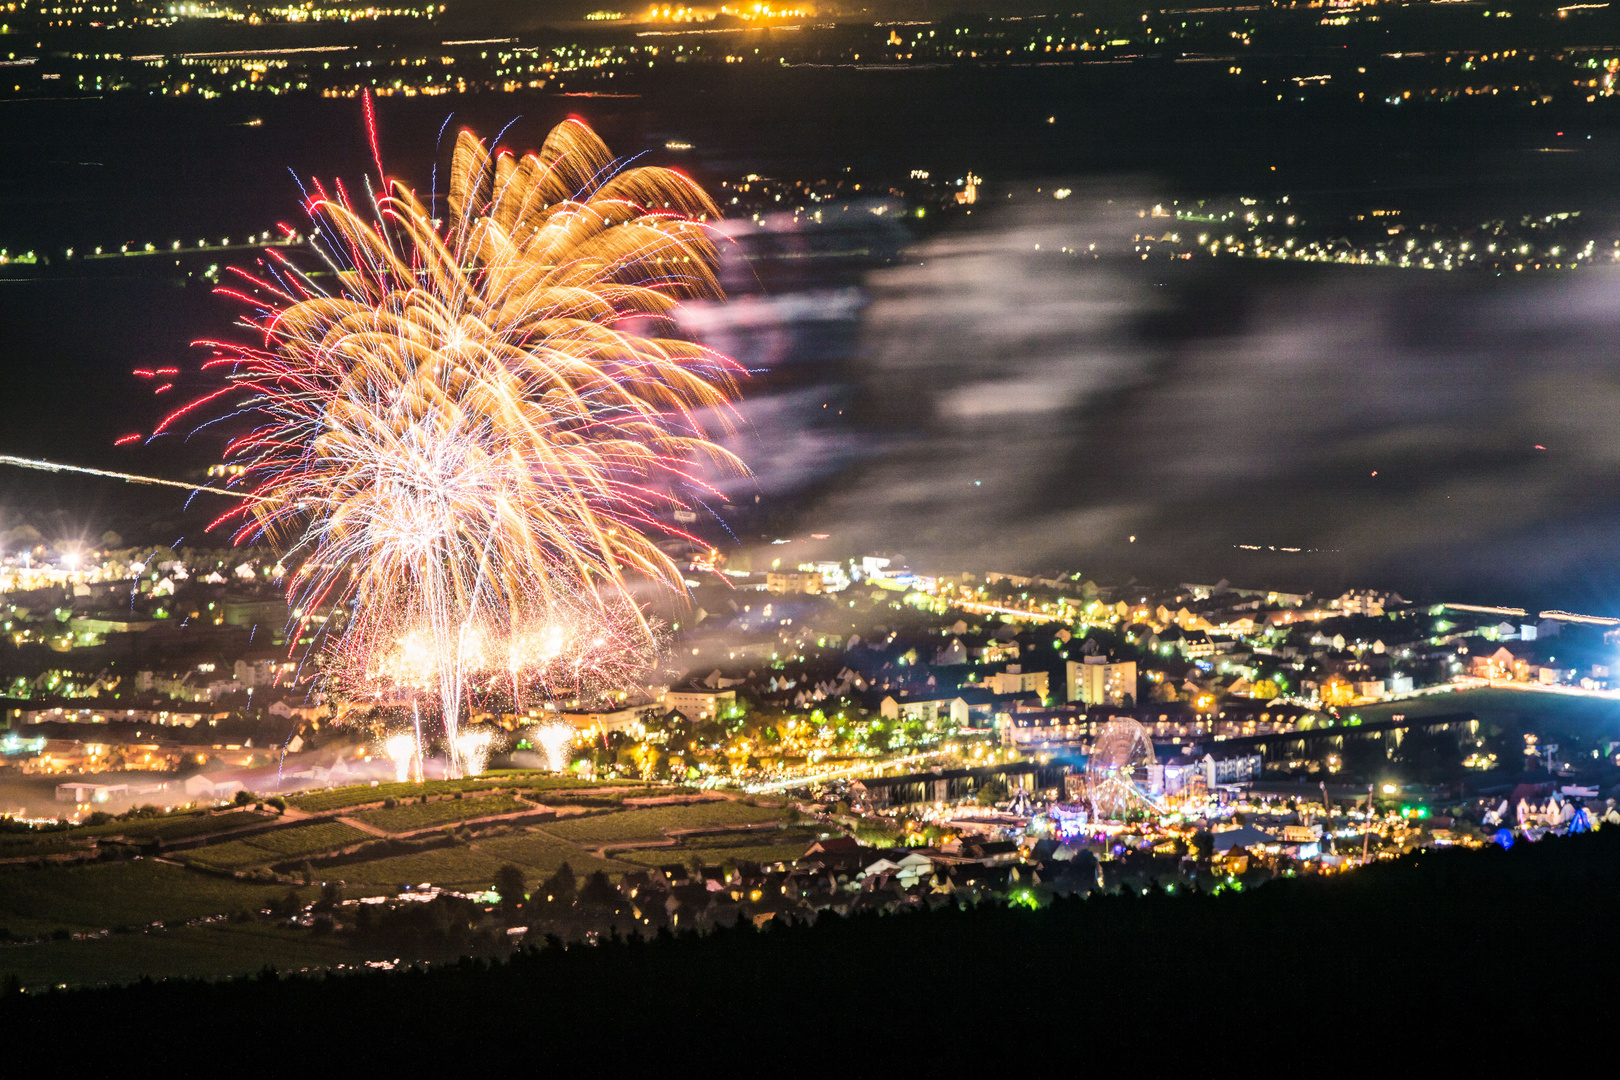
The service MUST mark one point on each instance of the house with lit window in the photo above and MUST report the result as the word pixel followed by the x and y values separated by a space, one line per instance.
pixel 1096 681
pixel 1015 680
pixel 697 703
pixel 925 710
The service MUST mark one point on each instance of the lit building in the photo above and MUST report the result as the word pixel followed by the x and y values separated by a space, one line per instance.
pixel 1098 682
pixel 926 711
pixel 793 582
pixel 631 721
pixel 1015 680
pixel 1184 774
pixel 699 704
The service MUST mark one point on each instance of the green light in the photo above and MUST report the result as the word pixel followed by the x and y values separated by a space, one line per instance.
pixel 1024 898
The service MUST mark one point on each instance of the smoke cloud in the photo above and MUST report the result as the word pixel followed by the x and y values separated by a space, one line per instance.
pixel 1010 401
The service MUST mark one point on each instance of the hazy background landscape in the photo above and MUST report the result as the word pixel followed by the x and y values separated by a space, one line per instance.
pixel 1180 404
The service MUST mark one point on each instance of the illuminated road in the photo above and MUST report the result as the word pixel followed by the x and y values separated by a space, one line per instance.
pixel 862 767
pixel 200 248
pixel 1504 684
pixel 1543 688
pixel 994 609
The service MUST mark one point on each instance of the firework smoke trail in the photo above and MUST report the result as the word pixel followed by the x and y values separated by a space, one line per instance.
pixel 131 478
pixel 467 443
pixel 420 764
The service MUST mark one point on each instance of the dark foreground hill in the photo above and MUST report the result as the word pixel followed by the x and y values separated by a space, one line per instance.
pixel 1443 954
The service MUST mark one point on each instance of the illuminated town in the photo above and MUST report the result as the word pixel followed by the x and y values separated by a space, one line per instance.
pixel 575 511
pixel 1249 53
pixel 968 730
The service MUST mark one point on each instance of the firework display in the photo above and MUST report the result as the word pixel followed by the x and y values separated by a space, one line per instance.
pixel 473 749
pixel 470 432
pixel 554 739
pixel 402 751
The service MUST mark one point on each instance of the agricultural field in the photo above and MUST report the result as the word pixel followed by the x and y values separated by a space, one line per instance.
pixel 411 816
pixel 231 855
pixel 321 802
pixel 785 845
pixel 129 896
pixel 36 845
pixel 458 866
pixel 538 850
pixel 474 864
pixel 308 839
pixel 589 800
pixel 583 787
pixel 654 823
pixel 543 854
pixel 172 827
pixel 193 951
pixel 798 836
pixel 764 854
pixel 104 896
pixel 276 846
pixel 363 794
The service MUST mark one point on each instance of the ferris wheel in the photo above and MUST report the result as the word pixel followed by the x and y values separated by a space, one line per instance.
pixel 1117 770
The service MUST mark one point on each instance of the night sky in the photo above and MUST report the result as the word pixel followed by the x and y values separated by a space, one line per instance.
pixel 998 405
